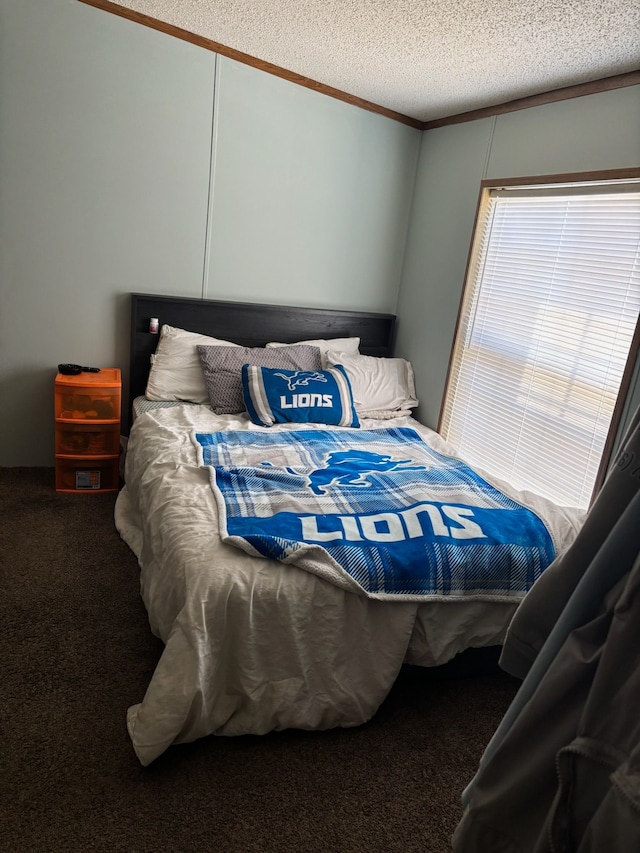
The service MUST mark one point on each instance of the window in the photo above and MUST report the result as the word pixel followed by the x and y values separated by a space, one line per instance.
pixel 546 336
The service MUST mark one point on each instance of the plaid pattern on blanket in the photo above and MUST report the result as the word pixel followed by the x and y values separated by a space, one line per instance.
pixel 378 512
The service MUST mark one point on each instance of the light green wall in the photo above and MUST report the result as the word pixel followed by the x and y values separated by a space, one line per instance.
pixel 108 131
pixel 104 167
pixel 311 196
pixel 451 162
pixel 595 132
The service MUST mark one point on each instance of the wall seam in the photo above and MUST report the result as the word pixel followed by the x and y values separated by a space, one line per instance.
pixel 407 231
pixel 212 171
pixel 489 147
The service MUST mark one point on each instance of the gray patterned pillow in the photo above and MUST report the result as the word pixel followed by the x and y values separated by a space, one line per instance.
pixel 222 367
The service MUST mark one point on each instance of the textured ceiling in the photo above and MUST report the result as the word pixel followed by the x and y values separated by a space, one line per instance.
pixel 424 58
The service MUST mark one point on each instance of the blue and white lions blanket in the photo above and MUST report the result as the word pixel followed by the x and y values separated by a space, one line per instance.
pixel 378 512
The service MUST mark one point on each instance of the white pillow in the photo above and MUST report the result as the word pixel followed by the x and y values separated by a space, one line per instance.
pixel 176 372
pixel 325 345
pixel 378 384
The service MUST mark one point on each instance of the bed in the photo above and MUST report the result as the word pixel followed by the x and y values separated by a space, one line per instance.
pixel 263 633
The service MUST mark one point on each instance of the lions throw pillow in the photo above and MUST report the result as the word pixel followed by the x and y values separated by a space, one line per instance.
pixel 274 396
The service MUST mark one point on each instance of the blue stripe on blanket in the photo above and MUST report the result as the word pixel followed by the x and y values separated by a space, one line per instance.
pixel 375 511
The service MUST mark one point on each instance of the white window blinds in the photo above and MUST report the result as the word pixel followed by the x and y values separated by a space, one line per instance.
pixel 547 320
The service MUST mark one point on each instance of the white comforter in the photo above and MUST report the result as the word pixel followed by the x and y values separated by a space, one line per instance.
pixel 252 645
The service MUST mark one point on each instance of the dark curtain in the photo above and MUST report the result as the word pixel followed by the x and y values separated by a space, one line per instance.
pixel 562 771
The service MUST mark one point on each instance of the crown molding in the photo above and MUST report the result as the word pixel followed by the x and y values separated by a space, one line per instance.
pixel 605 84
pixel 247 59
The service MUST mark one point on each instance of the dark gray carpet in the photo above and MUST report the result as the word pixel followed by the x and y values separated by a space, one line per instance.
pixel 76 651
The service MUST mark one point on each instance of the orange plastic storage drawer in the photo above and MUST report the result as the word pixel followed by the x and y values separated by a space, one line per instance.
pixel 92 475
pixel 88 396
pixel 87 440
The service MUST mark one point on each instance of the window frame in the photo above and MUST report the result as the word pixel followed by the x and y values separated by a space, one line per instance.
pixel 562 179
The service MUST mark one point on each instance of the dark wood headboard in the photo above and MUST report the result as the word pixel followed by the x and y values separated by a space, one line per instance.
pixel 248 324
